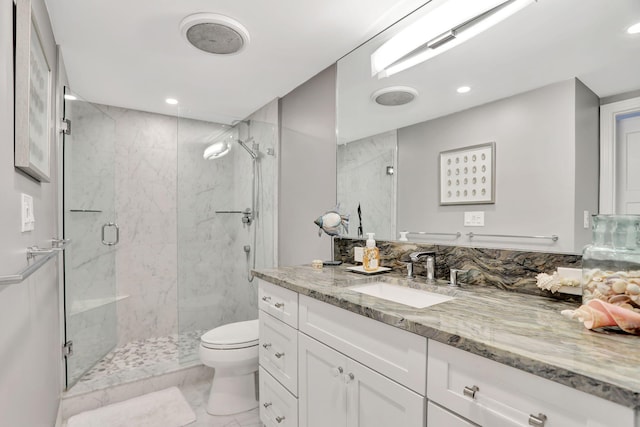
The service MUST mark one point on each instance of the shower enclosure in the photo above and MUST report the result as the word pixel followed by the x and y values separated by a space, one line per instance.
pixel 154 262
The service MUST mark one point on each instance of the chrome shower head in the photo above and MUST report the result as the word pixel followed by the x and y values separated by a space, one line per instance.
pixel 221 148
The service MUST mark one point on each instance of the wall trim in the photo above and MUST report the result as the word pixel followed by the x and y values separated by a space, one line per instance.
pixel 609 114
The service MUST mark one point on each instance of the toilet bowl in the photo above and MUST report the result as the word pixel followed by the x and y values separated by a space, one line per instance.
pixel 232 350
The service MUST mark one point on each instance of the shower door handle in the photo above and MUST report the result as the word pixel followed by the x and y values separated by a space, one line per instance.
pixel 104 227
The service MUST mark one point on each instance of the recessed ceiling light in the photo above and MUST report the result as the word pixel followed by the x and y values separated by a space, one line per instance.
pixel 463 89
pixel 634 29
pixel 70 97
pixel 171 101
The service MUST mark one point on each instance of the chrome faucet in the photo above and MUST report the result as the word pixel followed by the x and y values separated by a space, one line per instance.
pixel 415 257
pixel 453 276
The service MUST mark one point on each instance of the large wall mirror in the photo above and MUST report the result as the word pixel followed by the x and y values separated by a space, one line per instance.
pixel 532 85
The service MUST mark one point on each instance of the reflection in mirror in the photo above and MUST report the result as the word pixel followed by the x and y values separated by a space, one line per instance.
pixel 536 81
pixel 366 179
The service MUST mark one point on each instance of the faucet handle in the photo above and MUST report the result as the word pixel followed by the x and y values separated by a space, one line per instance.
pixel 453 276
pixel 410 270
pixel 415 256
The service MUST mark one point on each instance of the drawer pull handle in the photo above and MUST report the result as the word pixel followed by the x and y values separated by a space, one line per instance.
pixel 470 392
pixel 267 404
pixel 266 299
pixel 279 304
pixel 336 371
pixel 266 345
pixel 537 421
pixel 349 377
pixel 279 419
pixel 279 355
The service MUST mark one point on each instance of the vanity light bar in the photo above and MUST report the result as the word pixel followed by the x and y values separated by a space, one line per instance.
pixel 414 44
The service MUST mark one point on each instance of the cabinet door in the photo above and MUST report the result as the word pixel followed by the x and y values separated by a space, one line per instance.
pixel 321 389
pixel 374 400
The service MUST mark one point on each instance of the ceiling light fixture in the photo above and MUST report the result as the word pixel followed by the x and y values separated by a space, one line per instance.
pixel 171 101
pixel 634 29
pixel 394 96
pixel 449 24
pixel 214 33
pixel 463 89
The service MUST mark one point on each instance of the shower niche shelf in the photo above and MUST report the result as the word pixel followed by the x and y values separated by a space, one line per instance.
pixel 82 306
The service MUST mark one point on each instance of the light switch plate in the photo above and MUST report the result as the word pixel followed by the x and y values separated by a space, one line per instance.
pixel 474 219
pixel 28 222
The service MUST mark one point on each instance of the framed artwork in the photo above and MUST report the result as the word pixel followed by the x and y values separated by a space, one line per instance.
pixel 32 97
pixel 467 175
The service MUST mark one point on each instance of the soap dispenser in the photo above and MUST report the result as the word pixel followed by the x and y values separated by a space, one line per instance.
pixel 371 258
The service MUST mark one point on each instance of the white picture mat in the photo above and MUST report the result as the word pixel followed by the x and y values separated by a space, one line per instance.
pixel 467 175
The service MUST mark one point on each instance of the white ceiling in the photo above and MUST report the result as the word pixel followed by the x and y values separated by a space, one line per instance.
pixel 548 41
pixel 131 53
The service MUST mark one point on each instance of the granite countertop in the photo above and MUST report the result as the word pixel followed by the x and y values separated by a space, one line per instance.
pixel 523 331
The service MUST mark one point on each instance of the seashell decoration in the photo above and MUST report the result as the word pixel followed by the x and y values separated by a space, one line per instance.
pixel 610 299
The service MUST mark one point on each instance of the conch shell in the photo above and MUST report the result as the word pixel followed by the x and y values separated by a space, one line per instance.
pixel 598 314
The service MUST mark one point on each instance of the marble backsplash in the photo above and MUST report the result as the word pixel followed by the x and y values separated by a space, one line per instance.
pixel 506 269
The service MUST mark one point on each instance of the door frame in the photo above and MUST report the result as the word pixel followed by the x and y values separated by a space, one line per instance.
pixel 609 114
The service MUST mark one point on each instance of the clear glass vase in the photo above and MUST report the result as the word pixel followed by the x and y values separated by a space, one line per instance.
pixel 611 264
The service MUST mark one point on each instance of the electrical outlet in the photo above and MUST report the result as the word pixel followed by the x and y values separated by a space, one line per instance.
pixel 586 219
pixel 358 254
pixel 474 219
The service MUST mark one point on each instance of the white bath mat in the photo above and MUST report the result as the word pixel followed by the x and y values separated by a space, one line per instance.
pixel 166 408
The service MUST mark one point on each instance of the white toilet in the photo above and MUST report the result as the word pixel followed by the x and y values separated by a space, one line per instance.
pixel 232 350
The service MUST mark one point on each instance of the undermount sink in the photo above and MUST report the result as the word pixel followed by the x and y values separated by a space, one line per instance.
pixel 401 294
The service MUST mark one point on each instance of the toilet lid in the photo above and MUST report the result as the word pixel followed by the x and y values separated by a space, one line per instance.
pixel 232 335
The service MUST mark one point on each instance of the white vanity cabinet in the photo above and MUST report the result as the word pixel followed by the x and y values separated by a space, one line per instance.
pixel 337 391
pixel 495 395
pixel 278 355
pixel 357 372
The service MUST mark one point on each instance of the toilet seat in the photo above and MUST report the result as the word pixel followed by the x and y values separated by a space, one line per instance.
pixel 232 336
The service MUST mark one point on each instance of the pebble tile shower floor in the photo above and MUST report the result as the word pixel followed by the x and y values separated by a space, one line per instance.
pixel 141 359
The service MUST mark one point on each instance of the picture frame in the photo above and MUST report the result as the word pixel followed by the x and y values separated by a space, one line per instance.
pixel 32 96
pixel 467 175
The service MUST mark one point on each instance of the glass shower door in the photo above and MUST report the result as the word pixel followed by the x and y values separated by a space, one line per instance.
pixel 89 220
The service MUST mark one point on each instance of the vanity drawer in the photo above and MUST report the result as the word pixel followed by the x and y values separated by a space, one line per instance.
pixel 495 395
pixel 279 302
pixel 440 417
pixel 398 354
pixel 278 407
pixel 279 351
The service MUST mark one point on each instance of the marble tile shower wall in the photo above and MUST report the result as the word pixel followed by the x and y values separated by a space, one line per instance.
pixel 145 169
pixel 212 263
pixel 362 179
pixel 511 270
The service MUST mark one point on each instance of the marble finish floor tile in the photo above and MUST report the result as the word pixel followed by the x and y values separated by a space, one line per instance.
pixel 197 394
pixel 141 359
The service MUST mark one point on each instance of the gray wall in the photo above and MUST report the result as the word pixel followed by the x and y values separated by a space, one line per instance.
pixel 539 188
pixel 307 168
pixel 30 340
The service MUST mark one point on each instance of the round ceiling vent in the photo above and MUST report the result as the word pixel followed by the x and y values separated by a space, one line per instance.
pixel 394 95
pixel 213 33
